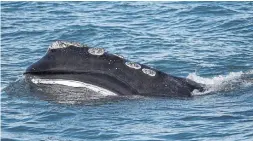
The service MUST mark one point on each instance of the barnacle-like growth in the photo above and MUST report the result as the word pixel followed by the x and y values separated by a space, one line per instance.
pixel 149 72
pixel 96 51
pixel 64 44
pixel 133 65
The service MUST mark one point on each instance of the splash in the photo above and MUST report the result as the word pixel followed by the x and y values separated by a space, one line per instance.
pixel 231 81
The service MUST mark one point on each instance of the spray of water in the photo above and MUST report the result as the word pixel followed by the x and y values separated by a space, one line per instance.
pixel 231 81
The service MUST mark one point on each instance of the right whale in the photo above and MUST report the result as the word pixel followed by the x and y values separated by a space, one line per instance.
pixel 97 69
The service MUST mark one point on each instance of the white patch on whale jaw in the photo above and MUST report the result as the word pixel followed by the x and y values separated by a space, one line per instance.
pixel 72 83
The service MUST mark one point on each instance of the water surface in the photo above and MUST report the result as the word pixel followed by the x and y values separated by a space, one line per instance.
pixel 209 42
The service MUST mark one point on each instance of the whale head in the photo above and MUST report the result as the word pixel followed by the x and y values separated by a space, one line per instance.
pixel 94 66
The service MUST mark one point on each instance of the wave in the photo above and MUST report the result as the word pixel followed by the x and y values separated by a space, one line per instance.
pixel 221 83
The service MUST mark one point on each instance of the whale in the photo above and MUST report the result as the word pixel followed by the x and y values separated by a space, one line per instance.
pixel 78 65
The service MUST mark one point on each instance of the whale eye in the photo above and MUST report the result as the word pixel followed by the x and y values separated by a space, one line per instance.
pixel 133 65
pixel 96 51
pixel 120 56
pixel 149 72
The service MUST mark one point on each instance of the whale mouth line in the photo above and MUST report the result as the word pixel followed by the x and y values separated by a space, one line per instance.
pixel 73 83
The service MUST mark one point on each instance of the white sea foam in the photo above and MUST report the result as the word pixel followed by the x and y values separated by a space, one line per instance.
pixel 227 82
pixel 72 83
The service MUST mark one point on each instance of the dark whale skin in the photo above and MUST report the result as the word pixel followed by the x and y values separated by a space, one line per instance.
pixel 110 72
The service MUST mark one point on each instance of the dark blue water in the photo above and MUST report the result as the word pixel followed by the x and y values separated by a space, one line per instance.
pixel 209 42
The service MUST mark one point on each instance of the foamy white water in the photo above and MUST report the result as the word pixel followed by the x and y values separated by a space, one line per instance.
pixel 227 82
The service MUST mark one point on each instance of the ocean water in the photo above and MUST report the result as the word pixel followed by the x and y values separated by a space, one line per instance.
pixel 208 42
